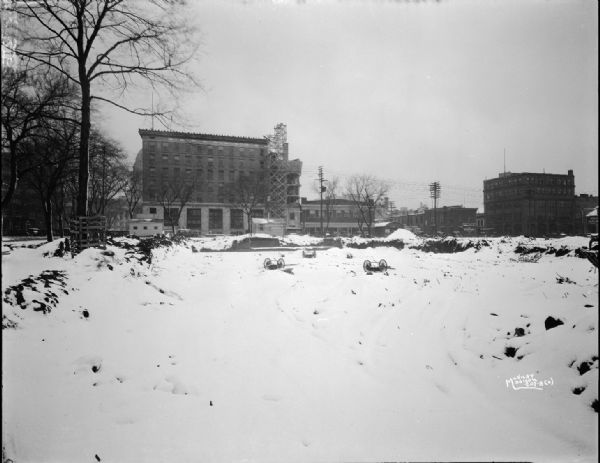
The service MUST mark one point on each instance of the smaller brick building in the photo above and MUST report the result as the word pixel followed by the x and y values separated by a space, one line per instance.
pixel 340 217
pixel 446 220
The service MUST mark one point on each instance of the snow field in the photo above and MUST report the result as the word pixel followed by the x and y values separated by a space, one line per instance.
pixel 211 357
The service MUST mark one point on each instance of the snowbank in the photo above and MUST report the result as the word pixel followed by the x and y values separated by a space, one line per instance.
pixel 301 240
pixel 405 235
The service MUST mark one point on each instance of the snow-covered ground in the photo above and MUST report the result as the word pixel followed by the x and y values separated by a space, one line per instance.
pixel 208 356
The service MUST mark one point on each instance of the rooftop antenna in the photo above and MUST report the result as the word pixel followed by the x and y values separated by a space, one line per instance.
pixel 152 116
pixel 505 160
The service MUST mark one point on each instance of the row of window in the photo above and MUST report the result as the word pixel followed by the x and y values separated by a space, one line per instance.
pixel 531 205
pixel 145 227
pixel 525 193
pixel 215 218
pixel 530 180
pixel 203 149
pixel 333 214
pixel 197 174
pixel 207 162
pixel 337 231
pixel 199 197
pixel 508 218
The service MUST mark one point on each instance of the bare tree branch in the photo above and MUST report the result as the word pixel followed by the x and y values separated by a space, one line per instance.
pixel 367 194
pixel 116 43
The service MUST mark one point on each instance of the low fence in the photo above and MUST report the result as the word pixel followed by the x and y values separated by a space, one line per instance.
pixel 87 232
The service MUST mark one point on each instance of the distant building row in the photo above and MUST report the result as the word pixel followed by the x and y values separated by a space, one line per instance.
pixel 212 166
pixel 534 204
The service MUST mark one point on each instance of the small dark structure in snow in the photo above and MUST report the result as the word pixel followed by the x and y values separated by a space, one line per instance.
pixel 309 253
pixel 272 264
pixel 372 266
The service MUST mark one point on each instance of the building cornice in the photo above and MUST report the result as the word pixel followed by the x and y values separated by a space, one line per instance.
pixel 202 136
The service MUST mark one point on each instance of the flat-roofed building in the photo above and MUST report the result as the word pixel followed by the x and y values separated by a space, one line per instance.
pixel 212 165
pixel 529 203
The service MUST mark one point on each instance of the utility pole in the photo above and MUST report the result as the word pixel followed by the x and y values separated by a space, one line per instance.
pixel 321 189
pixel 434 191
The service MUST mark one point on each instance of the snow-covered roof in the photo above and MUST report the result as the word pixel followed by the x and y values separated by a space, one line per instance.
pixel 260 221
pixel 145 220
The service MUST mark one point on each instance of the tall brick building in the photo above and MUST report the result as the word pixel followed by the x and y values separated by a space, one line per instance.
pixel 213 164
pixel 531 203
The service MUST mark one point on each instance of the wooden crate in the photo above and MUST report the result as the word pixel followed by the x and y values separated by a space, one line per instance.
pixel 87 232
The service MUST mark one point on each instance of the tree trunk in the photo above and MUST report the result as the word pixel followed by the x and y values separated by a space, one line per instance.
pixel 12 182
pixel 249 216
pixel 84 141
pixel 48 219
pixel 60 209
pixel 61 226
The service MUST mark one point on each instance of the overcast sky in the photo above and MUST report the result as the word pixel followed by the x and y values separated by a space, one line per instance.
pixel 412 92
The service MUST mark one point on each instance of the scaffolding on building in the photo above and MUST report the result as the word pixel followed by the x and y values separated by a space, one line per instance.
pixel 277 169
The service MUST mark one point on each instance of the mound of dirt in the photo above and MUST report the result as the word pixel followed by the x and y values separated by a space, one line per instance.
pixel 39 292
pixel 142 249
pixel 398 244
pixel 449 245
pixel 524 250
pixel 254 242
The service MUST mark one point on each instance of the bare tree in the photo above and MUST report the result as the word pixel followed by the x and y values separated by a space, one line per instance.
pixel 50 156
pixel 174 194
pixel 133 191
pixel 116 212
pixel 250 191
pixel 368 196
pixel 59 200
pixel 28 103
pixel 107 46
pixel 108 172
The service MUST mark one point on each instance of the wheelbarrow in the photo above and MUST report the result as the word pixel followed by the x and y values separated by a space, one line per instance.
pixel 272 264
pixel 374 266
